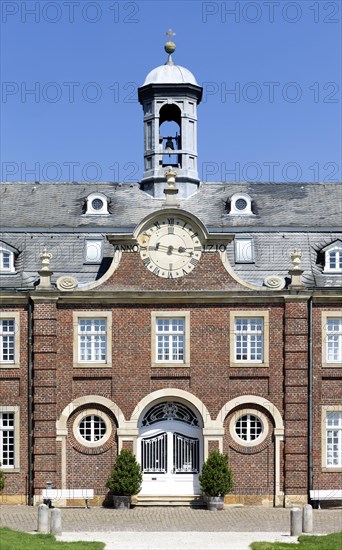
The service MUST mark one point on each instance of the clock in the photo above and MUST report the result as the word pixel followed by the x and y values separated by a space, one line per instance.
pixel 170 247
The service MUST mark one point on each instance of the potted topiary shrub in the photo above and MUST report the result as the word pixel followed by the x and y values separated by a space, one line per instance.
pixel 216 480
pixel 2 479
pixel 125 479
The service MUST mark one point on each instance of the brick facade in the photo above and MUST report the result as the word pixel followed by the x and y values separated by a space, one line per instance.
pixel 281 386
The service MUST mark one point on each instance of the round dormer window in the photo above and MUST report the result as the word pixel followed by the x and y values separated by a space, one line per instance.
pixel 241 204
pixel 97 204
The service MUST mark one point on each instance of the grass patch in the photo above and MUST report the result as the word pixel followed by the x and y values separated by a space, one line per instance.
pixel 17 540
pixel 306 542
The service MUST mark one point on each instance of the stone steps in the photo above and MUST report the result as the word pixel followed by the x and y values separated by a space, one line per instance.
pixel 170 500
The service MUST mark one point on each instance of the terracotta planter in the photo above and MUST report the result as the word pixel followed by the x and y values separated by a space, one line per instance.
pixel 215 503
pixel 121 502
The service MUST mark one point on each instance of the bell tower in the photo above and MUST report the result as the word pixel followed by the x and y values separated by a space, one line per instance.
pixel 169 97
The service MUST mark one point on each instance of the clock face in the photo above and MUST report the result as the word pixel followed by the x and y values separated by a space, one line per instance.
pixel 170 247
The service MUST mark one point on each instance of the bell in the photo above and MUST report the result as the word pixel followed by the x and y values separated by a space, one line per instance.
pixel 169 143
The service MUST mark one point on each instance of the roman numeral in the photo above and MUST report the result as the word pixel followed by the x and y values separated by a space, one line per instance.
pixel 184 272
pixel 194 235
pixel 157 225
pixel 193 261
pixel 198 248
pixel 169 275
pixel 171 221
pixel 156 271
pixel 147 262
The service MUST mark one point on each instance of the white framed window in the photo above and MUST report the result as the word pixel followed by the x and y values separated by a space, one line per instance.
pixel 97 204
pixel 7 344
pixel 6 259
pixel 241 205
pixel 9 339
pixel 92 342
pixel 331 338
pixel 170 335
pixel 9 437
pixel 333 259
pixel 248 427
pixel 244 251
pixel 93 251
pixel 332 437
pixel 170 338
pixel 92 428
pixel 249 338
pixel 334 340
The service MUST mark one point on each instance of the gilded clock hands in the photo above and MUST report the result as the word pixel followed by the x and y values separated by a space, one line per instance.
pixel 182 249
pixel 171 250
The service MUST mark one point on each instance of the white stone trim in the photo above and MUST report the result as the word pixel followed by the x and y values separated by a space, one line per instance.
pixel 90 314
pixel 250 314
pixel 16 317
pixel 89 412
pixel 169 314
pixel 331 314
pixel 254 412
pixel 159 395
pixel 278 431
pixel 325 410
pixel 16 411
pixel 62 428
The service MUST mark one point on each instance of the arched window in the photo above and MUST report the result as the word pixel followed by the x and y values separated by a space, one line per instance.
pixel 170 134
pixel 333 258
pixel 170 411
pixel 6 258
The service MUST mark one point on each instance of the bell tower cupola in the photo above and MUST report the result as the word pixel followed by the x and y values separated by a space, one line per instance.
pixel 169 97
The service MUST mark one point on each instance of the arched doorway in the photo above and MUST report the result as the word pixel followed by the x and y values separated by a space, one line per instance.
pixel 170 449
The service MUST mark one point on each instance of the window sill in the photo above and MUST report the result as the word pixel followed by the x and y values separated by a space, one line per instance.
pixel 4 365
pixel 332 365
pixel 10 470
pixel 172 365
pixel 331 469
pixel 247 364
pixel 92 365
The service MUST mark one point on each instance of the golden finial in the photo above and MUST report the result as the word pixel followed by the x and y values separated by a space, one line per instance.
pixel 170 46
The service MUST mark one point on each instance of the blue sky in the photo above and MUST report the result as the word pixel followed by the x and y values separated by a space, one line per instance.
pixel 84 61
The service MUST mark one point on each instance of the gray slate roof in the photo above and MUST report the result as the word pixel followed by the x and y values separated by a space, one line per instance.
pixel 287 216
pixel 48 205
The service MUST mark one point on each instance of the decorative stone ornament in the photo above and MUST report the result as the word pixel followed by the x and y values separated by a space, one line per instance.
pixel 296 257
pixel 66 282
pixel 45 271
pixel 171 189
pixel 296 272
pixel 274 282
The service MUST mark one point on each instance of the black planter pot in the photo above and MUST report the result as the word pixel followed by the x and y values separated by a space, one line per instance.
pixel 121 502
pixel 215 503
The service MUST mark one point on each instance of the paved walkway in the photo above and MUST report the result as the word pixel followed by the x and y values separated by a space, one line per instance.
pixel 168 528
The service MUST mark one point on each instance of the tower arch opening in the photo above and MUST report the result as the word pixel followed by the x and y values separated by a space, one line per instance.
pixel 170 140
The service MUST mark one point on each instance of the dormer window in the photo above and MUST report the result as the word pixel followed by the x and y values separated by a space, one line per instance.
pixel 6 259
pixel 97 204
pixel 333 258
pixel 241 205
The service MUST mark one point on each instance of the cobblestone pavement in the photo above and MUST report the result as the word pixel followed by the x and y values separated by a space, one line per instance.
pixel 152 519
